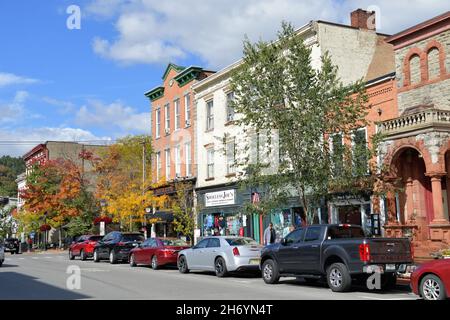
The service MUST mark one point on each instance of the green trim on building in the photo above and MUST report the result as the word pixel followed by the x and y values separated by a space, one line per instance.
pixel 155 94
pixel 170 67
pixel 188 75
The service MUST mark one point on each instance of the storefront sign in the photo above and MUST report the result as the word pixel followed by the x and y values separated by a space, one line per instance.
pixel 226 197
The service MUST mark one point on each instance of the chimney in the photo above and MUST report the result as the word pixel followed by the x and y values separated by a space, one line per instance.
pixel 363 19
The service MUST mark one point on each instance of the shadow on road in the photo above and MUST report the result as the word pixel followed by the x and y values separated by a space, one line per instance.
pixel 7 265
pixel 399 288
pixel 16 286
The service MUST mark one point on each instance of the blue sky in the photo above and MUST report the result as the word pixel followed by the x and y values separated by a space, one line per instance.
pixel 88 84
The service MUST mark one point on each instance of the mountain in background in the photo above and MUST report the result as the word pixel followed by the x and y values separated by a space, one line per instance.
pixel 10 168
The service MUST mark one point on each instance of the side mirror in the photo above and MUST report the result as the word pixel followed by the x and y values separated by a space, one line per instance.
pixel 284 241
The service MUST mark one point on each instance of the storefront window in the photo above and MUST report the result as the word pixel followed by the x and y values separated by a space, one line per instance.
pixel 224 224
pixel 282 223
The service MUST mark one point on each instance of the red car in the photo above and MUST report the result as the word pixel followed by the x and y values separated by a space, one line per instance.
pixel 431 280
pixel 157 252
pixel 83 247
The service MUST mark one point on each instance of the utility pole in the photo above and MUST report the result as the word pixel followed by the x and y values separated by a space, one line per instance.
pixel 144 224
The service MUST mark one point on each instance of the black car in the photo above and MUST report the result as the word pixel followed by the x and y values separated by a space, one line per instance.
pixel 12 245
pixel 341 253
pixel 116 246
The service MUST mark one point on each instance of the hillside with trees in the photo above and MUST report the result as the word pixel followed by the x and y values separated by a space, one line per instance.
pixel 10 168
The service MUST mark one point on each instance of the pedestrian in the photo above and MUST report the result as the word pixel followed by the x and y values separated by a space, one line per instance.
pixel 30 244
pixel 269 235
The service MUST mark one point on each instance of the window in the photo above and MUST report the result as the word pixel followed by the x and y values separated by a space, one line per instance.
pixel 345 232
pixel 158 166
pixel 295 236
pixel 202 244
pixel 241 241
pixel 313 234
pixel 210 115
pixel 177 161
pixel 187 109
pixel 414 69
pixel 434 69
pixel 230 109
pixel 231 153
pixel 213 243
pixel 167 164
pixel 167 115
pixel 210 163
pixel 177 114
pixel 158 123
pixel 187 151
pixel 360 153
pixel 337 154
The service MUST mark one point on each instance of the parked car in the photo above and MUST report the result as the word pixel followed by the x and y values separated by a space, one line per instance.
pixel 221 254
pixel 341 253
pixel 431 280
pixel 83 247
pixel 116 246
pixel 2 252
pixel 12 245
pixel 157 252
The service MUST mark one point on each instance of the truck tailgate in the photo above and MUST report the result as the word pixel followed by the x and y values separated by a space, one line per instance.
pixel 390 250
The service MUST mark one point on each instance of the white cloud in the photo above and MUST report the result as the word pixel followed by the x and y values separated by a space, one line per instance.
pixel 8 79
pixel 19 141
pixel 154 31
pixel 113 115
pixel 64 107
pixel 12 111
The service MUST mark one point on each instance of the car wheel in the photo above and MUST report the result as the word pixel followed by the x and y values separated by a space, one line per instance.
pixel 182 265
pixel 221 267
pixel 82 255
pixel 96 256
pixel 432 288
pixel 132 261
pixel 1 262
pixel 112 257
pixel 155 264
pixel 270 272
pixel 12 251
pixel 338 278
pixel 71 256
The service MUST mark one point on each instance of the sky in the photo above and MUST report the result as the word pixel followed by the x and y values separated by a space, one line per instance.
pixel 88 83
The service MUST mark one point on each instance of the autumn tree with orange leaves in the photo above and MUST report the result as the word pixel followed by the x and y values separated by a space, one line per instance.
pixel 123 184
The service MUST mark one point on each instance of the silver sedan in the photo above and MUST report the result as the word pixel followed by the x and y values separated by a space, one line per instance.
pixel 221 254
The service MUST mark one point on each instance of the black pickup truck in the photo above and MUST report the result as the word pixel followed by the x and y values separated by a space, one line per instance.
pixel 342 253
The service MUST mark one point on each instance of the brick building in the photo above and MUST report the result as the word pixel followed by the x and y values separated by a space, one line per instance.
pixel 417 140
pixel 173 139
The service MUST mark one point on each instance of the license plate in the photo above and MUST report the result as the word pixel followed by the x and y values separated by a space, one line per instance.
pixel 390 267
pixel 254 261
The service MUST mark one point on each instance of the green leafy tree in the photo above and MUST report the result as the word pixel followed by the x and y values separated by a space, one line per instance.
pixel 292 113
pixel 10 168
pixel 183 210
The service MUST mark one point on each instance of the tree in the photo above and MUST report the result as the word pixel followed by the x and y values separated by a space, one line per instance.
pixel 292 114
pixel 183 210
pixel 10 168
pixel 123 184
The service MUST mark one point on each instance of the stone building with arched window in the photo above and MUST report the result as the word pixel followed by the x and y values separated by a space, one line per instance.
pixel 416 148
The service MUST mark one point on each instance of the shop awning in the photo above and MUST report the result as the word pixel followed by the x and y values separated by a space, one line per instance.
pixel 164 216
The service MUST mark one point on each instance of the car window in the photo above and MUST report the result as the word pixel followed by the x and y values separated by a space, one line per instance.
pixel 313 234
pixel 295 236
pixel 95 238
pixel 173 242
pixel 146 243
pixel 109 236
pixel 240 241
pixel 81 239
pixel 213 243
pixel 133 237
pixel 202 244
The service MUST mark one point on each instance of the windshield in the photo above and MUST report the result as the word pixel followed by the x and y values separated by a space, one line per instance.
pixel 173 242
pixel 340 232
pixel 95 238
pixel 240 241
pixel 133 237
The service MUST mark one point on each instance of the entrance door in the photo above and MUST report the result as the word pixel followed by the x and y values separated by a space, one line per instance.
pixel 350 215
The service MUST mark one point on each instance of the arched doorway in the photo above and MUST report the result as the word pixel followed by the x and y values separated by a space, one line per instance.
pixel 413 199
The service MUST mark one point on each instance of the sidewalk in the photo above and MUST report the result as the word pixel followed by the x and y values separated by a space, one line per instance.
pixel 49 251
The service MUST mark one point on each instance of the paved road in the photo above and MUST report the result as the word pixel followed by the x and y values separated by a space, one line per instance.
pixel 43 276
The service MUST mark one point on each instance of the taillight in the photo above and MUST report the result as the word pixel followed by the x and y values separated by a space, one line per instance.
pixel 236 251
pixel 364 252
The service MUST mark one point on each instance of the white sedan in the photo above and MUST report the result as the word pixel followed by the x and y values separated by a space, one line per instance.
pixel 222 255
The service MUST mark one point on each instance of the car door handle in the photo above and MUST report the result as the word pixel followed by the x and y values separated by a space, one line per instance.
pixel 315 246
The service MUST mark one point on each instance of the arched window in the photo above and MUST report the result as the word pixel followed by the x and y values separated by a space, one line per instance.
pixel 414 69
pixel 434 69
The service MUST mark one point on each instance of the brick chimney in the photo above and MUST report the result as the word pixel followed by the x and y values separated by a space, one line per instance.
pixel 363 19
